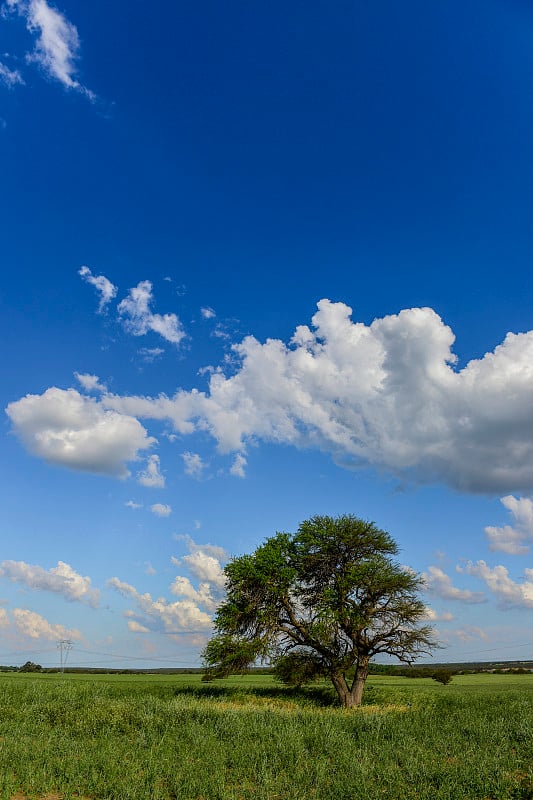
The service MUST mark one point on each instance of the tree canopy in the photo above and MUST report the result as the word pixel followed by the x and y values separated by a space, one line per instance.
pixel 29 666
pixel 320 602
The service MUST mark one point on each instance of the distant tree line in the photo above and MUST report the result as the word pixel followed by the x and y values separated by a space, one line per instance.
pixel 30 666
pixel 298 676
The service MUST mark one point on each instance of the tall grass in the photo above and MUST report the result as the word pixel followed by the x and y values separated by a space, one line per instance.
pixel 148 738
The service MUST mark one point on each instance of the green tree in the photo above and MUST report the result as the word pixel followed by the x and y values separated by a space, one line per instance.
pixel 326 599
pixel 443 676
pixel 29 666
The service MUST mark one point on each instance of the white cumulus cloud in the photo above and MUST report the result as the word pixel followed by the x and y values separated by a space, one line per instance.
pixel 136 627
pixel 436 616
pixel 70 430
pixel 514 539
pixel 205 566
pixel 440 584
pixel 204 562
pixel 172 617
pixel 62 579
pixel 202 596
pixel 387 394
pixel 509 592
pixel 32 624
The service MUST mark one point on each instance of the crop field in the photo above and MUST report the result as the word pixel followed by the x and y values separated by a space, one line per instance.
pixel 172 737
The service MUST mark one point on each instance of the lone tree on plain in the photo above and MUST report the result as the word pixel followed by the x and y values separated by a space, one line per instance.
pixel 318 603
pixel 29 666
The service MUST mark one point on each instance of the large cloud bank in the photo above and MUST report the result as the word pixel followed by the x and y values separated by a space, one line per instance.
pixel 388 395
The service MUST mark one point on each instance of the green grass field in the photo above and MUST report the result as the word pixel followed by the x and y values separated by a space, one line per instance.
pixel 171 737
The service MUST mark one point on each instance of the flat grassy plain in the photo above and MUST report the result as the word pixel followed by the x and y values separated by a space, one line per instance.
pixel 171 737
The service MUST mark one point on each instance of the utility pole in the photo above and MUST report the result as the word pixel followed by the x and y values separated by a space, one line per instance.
pixel 64 647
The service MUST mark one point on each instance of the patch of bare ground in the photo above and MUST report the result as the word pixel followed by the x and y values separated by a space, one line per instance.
pixel 49 796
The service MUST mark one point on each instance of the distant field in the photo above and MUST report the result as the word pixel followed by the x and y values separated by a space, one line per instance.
pixel 171 737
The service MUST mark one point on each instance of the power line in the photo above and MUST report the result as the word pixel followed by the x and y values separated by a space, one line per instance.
pixel 501 647
pixel 179 633
pixel 130 658
pixel 25 652
pixel 64 647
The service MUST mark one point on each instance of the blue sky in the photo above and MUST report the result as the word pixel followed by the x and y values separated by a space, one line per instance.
pixel 261 263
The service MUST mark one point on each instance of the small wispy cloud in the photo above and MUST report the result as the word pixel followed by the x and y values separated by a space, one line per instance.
pixel 103 286
pixel 161 510
pixel 133 505
pixel 213 550
pixel 150 354
pixel 57 43
pixel 222 332
pixel 207 312
pixel 151 476
pixel 193 465
pixel 135 312
pixel 469 633
pixel 10 77
pixel 237 468
pixel 138 318
pixel 91 383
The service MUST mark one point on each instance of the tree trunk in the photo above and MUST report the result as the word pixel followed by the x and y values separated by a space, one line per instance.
pixel 346 697
pixel 343 692
pixel 361 674
pixel 350 697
